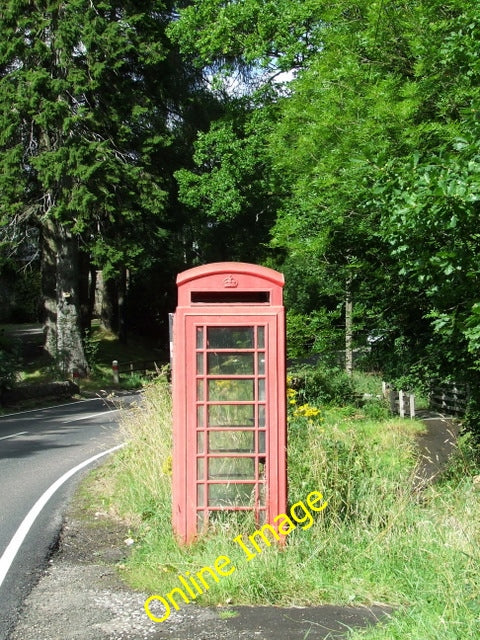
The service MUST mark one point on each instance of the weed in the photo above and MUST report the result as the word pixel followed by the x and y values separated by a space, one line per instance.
pixel 227 614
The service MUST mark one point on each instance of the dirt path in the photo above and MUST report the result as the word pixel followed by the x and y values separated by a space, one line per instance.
pixel 436 445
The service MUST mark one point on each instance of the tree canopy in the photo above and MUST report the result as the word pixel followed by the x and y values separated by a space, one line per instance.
pixel 91 100
pixel 372 153
pixel 338 142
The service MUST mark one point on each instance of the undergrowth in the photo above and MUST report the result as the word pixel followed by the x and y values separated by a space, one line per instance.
pixel 381 539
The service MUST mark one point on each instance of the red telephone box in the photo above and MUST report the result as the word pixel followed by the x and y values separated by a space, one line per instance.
pixel 229 438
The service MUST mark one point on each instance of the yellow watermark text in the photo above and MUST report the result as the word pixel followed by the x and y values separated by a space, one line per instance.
pixel 192 586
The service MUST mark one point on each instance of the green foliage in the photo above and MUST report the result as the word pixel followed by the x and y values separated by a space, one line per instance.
pixel 228 190
pixel 354 462
pixel 472 415
pixel 376 409
pixel 79 77
pixel 91 346
pixel 97 111
pixel 320 385
pixel 465 460
pixel 256 32
pixel 20 298
pixel 233 163
pixel 359 173
pixel 9 361
pixel 312 333
pixel 372 153
pixel 8 370
pixel 135 380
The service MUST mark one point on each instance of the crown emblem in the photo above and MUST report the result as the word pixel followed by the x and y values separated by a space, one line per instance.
pixel 230 282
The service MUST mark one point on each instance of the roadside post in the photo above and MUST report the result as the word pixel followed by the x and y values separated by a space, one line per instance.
pixel 115 373
pixel 229 415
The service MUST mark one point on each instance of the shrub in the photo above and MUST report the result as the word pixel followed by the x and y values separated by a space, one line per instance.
pixel 471 422
pixel 376 409
pixel 9 363
pixel 323 386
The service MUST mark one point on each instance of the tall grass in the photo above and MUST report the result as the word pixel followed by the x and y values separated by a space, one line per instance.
pixel 382 539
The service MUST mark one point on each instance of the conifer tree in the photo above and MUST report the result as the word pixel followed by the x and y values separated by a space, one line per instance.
pixel 85 115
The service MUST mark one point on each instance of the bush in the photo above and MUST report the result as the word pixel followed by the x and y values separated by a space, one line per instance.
pixel 9 362
pixel 376 409
pixel 323 386
pixel 471 422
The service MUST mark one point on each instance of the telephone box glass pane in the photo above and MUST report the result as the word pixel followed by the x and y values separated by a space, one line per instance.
pixel 200 421
pixel 201 495
pixel 199 337
pixel 200 469
pixel 262 495
pixel 224 495
pixel 261 364
pixel 261 442
pixel 261 338
pixel 230 363
pixel 261 389
pixel 200 363
pixel 199 389
pixel 231 441
pixel 230 389
pixel 231 415
pixel 231 468
pixel 200 442
pixel 230 338
pixel 261 416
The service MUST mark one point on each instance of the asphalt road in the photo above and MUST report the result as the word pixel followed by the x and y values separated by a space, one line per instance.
pixel 36 449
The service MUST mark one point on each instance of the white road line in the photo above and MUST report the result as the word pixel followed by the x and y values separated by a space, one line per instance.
pixel 54 406
pixel 92 415
pixel 21 533
pixel 21 433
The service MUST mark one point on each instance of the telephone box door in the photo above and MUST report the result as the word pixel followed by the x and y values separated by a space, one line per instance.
pixel 235 375
pixel 230 440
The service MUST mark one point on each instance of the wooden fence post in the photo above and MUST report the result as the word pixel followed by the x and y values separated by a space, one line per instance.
pixel 392 400
pixel 116 377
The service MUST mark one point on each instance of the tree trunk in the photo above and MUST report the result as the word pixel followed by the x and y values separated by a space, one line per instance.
pixel 348 327
pixel 49 286
pixel 113 303
pixel 122 306
pixel 87 283
pixel 108 303
pixel 62 305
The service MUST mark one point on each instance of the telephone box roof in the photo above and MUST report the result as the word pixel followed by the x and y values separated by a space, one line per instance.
pixel 240 268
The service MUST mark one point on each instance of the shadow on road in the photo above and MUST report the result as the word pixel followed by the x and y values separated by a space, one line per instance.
pixel 27 446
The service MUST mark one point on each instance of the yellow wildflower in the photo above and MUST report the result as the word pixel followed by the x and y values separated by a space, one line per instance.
pixel 306 411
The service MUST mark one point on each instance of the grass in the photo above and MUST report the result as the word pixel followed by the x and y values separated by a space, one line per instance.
pixel 379 540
